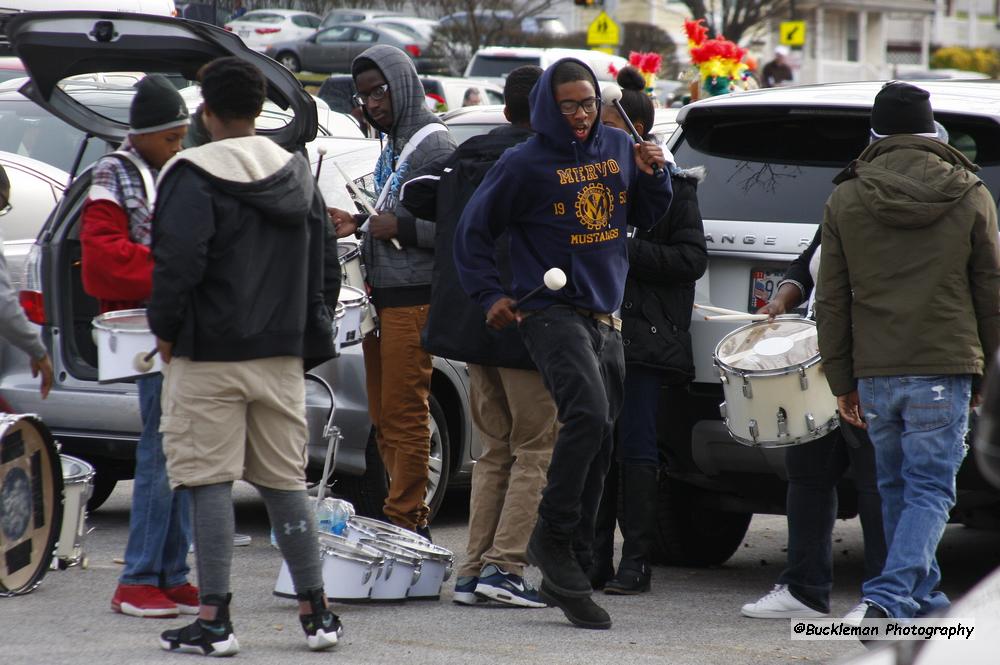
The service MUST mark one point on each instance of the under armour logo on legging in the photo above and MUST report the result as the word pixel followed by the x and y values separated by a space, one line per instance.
pixel 290 529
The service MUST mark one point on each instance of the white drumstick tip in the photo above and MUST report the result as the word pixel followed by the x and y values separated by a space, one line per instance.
pixel 141 364
pixel 321 150
pixel 554 279
pixel 610 93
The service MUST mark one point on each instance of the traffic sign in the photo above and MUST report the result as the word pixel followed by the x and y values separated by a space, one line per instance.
pixel 603 31
pixel 793 33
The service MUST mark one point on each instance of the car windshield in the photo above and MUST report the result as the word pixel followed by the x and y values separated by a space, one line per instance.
pixel 492 66
pixel 778 166
pixel 27 129
pixel 464 132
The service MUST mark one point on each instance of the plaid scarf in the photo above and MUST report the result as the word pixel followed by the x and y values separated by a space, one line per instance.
pixel 115 179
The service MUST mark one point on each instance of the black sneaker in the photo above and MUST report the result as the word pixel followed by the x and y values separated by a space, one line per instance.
pixel 322 627
pixel 208 638
pixel 581 612
pixel 630 579
pixel 560 568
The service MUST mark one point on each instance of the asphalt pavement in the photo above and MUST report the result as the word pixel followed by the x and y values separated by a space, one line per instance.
pixel 691 615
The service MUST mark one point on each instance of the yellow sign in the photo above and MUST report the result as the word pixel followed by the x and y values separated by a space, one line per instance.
pixel 603 31
pixel 793 33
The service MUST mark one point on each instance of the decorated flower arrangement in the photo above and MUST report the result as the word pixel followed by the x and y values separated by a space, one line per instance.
pixel 720 62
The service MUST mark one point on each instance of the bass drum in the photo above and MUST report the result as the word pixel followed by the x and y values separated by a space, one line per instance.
pixel 31 509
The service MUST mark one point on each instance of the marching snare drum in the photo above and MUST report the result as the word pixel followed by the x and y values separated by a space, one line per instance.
pixel 354 301
pixel 349 255
pixel 401 571
pixel 338 321
pixel 349 570
pixel 78 485
pixel 772 378
pixel 435 567
pixel 31 486
pixel 359 527
pixel 123 338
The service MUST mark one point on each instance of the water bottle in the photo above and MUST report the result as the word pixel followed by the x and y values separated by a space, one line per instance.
pixel 324 516
pixel 342 511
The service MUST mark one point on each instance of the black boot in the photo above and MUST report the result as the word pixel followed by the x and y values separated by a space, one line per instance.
pixel 553 554
pixel 208 638
pixel 602 567
pixel 581 612
pixel 637 522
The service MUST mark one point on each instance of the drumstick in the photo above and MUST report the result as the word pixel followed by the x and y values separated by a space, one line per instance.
pixel 717 310
pixel 738 317
pixel 363 200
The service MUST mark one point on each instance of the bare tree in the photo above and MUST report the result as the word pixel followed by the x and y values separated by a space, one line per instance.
pixel 735 17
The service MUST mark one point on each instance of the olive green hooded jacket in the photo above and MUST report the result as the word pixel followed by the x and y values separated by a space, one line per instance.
pixel 909 277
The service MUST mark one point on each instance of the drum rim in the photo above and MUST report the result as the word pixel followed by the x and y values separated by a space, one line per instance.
pixel 376 525
pixel 58 489
pixel 88 470
pixel 426 550
pixel 344 549
pixel 822 430
pixel 356 301
pixel 397 552
pixel 791 369
pixel 353 253
pixel 101 320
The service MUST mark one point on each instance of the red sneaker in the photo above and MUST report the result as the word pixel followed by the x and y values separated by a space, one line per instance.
pixel 186 597
pixel 143 600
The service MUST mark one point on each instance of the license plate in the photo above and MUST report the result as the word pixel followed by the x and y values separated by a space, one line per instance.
pixel 244 34
pixel 763 284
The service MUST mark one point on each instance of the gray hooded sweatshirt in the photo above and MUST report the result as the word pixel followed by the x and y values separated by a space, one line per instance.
pixel 402 277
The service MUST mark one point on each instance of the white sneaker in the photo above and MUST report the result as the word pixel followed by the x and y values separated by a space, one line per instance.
pixel 855 616
pixel 779 604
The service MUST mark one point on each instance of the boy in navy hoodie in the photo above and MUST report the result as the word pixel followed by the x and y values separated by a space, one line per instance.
pixel 566 197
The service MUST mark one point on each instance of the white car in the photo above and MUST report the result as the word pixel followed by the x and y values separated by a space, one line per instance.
pixel 495 62
pixel 262 27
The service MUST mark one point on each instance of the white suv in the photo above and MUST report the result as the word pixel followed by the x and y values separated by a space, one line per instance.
pixel 771 156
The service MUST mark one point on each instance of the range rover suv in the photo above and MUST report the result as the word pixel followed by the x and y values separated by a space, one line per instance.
pixel 770 157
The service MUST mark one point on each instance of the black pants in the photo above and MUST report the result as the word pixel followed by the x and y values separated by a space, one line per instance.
pixel 583 366
pixel 814 470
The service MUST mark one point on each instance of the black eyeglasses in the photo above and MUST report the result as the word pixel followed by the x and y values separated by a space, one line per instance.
pixel 378 94
pixel 569 106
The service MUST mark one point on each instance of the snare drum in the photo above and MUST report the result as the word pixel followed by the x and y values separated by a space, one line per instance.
pixel 359 528
pixel 349 255
pixel 31 485
pixel 354 301
pixel 123 339
pixel 78 485
pixel 773 381
pixel 349 570
pixel 338 321
pixel 435 566
pixel 401 571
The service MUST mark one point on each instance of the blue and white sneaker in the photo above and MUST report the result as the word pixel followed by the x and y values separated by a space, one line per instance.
pixel 465 591
pixel 497 584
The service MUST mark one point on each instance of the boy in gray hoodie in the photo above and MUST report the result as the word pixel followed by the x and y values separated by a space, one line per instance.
pixel 398 252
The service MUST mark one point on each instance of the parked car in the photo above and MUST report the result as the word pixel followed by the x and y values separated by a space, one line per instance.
pixel 495 62
pixel 354 15
pixel 263 27
pixel 770 158
pixel 332 49
pixel 449 91
pixel 100 422
pixel 418 28
pixel 503 19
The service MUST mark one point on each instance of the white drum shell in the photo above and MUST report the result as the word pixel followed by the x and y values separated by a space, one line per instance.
pixel 117 348
pixel 351 274
pixel 435 566
pixel 401 571
pixel 757 399
pixel 78 485
pixel 349 330
pixel 338 320
pixel 345 577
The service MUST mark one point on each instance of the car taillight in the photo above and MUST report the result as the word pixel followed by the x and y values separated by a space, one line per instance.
pixel 413 50
pixel 227 28
pixel 266 31
pixel 34 306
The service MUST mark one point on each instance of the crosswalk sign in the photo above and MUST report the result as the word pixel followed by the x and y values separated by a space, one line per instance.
pixel 603 31
pixel 793 33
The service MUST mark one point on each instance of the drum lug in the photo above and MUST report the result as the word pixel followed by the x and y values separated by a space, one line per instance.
pixel 368 573
pixel 803 379
pixel 723 411
pixel 810 423
pixel 723 378
pixel 416 573
pixel 782 423
pixel 747 389
pixel 754 431
pixel 113 343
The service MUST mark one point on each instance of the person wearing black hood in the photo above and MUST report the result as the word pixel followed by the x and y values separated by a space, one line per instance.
pixel 238 302
pixel 664 264
pixel 566 196
pixel 398 253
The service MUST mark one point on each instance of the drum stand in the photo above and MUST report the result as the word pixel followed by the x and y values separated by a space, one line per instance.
pixel 332 436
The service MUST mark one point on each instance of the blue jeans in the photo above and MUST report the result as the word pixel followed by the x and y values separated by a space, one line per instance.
pixel 637 424
pixel 814 471
pixel 159 528
pixel 917 425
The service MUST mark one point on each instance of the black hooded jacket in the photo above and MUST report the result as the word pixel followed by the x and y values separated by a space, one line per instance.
pixel 664 264
pixel 239 236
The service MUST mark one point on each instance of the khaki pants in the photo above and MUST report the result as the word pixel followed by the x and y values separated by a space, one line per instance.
pixel 398 377
pixel 516 419
pixel 223 421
